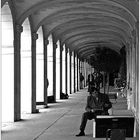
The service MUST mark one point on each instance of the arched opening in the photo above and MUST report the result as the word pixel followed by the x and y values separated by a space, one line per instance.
pixel 72 72
pixel 50 66
pixel 68 72
pixel 63 69
pixel 39 67
pixel 58 71
pixel 7 65
pixel 26 68
pixel 75 73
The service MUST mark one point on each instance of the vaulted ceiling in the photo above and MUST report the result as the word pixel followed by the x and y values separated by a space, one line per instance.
pixel 82 25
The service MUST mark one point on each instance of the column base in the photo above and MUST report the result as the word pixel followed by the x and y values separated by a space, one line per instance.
pixel 45 106
pixel 36 111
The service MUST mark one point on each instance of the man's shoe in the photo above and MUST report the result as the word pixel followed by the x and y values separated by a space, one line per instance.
pixel 81 134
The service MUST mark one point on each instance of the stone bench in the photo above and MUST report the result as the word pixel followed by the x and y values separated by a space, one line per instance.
pixel 105 122
pixel 113 95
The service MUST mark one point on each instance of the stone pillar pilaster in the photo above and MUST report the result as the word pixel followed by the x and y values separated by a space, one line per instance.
pixel 70 54
pixel 61 76
pixel 33 49
pixel 74 72
pixel 66 71
pixel 17 72
pixel 84 73
pixel 54 70
pixel 77 74
pixel 46 42
pixel 127 64
pixel 79 71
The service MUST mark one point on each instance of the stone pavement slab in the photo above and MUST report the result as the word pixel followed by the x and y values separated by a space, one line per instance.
pixel 60 121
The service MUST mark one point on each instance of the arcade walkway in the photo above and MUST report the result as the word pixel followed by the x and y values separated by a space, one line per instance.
pixel 58 122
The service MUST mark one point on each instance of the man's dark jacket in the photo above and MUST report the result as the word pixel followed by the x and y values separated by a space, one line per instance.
pixel 103 102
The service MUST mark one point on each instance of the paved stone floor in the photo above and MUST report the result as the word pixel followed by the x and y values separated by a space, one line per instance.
pixel 58 122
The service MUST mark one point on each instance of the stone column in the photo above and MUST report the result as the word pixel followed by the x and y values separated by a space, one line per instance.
pixel 17 72
pixel 74 72
pixel 33 49
pixel 131 68
pixel 128 75
pixel 127 63
pixel 79 71
pixel 137 71
pixel 61 76
pixel 46 42
pixel 84 73
pixel 70 72
pixel 77 75
pixel 79 66
pixel 134 70
pixel 66 70
pixel 54 70
pixel 130 78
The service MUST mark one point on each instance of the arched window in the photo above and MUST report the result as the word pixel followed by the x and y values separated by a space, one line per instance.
pixel 63 69
pixel 39 67
pixel 72 71
pixel 58 71
pixel 26 68
pixel 68 73
pixel 50 66
pixel 7 65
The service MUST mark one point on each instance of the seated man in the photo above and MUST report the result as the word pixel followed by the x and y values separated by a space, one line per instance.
pixel 97 104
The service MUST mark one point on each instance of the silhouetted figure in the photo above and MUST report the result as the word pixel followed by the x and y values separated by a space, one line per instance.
pixel 98 80
pixel 97 104
pixel 47 82
pixel 90 82
pixel 81 81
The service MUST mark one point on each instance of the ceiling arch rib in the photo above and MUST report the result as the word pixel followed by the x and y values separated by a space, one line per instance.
pixel 88 53
pixel 110 21
pixel 73 29
pixel 56 21
pixel 91 48
pixel 58 11
pixel 3 2
pixel 47 29
pixel 26 7
pixel 93 45
pixel 81 50
pixel 73 45
pixel 60 31
pixel 99 38
pixel 130 6
pixel 73 25
pixel 83 32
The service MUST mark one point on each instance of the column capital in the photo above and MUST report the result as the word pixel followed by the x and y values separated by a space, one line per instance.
pixel 34 36
pixel 61 48
pixel 19 28
pixel 128 44
pixel 70 52
pixel 66 49
pixel 133 33
pixel 46 42
pixel 55 45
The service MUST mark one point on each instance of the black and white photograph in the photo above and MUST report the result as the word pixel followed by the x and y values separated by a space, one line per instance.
pixel 70 70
